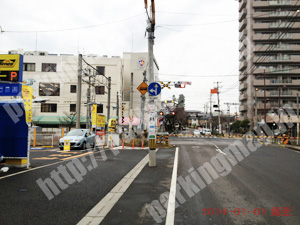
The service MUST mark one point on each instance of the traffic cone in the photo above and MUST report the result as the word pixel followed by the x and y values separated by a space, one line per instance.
pixel 133 144
pixel 123 144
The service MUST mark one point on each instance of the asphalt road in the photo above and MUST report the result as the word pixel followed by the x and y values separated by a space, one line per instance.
pixel 246 193
pixel 24 202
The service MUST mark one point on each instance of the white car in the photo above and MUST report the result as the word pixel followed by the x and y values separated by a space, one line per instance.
pixel 196 132
pixel 207 132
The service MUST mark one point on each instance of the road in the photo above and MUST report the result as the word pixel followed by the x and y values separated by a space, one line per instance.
pixel 213 186
pixel 268 177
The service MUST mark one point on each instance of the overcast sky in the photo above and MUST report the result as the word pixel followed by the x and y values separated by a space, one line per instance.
pixel 195 40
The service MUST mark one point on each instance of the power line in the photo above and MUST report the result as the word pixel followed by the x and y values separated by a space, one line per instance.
pixel 70 29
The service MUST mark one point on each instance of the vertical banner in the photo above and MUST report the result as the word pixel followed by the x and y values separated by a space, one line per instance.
pixel 27 99
pixel 94 116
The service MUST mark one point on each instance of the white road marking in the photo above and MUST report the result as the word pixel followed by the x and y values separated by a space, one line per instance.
pixel 219 150
pixel 171 204
pixel 98 213
pixel 40 167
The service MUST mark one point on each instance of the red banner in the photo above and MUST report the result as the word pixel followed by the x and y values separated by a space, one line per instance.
pixel 214 91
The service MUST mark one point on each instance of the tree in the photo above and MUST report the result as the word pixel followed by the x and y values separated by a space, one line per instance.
pixel 69 120
pixel 181 101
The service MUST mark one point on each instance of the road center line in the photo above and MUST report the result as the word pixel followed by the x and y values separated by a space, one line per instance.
pixel 98 213
pixel 171 203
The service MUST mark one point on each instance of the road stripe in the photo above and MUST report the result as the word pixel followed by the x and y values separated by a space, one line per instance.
pixel 171 204
pixel 219 150
pixel 98 213
pixel 40 167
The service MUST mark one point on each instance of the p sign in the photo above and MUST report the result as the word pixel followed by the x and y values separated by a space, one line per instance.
pixel 67 145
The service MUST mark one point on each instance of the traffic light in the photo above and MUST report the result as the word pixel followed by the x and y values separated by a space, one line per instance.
pixel 179 85
pixel 173 113
pixel 161 113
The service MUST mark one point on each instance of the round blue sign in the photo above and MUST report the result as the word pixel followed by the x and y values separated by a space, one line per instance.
pixel 154 89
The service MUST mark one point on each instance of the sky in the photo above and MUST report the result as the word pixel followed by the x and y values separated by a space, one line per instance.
pixel 195 40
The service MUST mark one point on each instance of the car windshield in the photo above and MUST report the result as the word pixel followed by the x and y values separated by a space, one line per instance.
pixel 76 133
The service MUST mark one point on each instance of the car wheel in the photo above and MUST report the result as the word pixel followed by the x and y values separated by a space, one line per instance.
pixel 83 146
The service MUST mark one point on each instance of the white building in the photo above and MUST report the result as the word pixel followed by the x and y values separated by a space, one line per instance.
pixel 54 77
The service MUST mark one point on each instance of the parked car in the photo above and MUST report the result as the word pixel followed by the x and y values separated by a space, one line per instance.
pixel 79 139
pixel 207 131
pixel 196 132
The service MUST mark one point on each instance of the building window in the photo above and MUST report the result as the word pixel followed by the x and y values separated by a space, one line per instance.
pixel 46 107
pixel 48 67
pixel 49 89
pixel 73 88
pixel 29 67
pixel 100 70
pixel 72 107
pixel 100 90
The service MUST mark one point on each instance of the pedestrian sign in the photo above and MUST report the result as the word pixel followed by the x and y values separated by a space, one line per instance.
pixel 154 89
pixel 143 88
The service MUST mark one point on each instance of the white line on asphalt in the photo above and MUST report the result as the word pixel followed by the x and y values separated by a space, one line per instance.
pixel 219 150
pixel 40 167
pixel 98 213
pixel 171 204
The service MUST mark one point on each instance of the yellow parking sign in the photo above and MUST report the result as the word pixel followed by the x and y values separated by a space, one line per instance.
pixel 67 145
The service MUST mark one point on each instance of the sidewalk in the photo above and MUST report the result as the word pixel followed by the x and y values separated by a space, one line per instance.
pixel 148 186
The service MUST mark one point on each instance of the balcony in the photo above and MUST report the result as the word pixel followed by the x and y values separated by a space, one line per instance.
pixel 275 37
pixel 261 71
pixel 242 77
pixel 262 106
pixel 243 97
pixel 260 94
pixel 243 25
pixel 243 14
pixel 276 48
pixel 243 86
pixel 260 82
pixel 273 14
pixel 243 65
pixel 243 108
pixel 243 34
pixel 260 4
pixel 242 5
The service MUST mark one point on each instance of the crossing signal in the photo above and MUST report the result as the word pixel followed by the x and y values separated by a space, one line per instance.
pixel 161 113
pixel 173 113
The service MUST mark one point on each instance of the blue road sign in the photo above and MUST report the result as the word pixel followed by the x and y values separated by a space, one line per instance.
pixel 9 89
pixel 154 89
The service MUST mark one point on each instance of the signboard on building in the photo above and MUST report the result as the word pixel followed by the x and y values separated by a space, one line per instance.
pixel 11 68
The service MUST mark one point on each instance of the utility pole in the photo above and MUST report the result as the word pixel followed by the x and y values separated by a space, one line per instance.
pixel 219 111
pixel 143 105
pixel 210 112
pixel 131 107
pixel 78 105
pixel 297 118
pixel 108 100
pixel 88 104
pixel 150 30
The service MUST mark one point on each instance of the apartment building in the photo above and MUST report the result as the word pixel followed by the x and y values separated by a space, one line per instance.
pixel 269 57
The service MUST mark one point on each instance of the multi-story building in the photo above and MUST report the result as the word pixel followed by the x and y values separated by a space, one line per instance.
pixel 269 57
pixel 54 80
